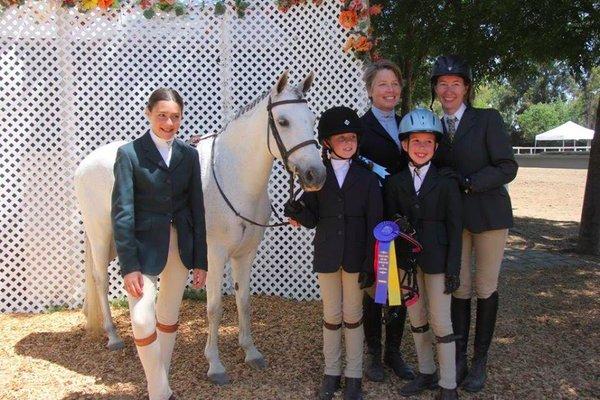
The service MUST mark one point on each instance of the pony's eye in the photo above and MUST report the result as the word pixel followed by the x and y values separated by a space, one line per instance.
pixel 283 122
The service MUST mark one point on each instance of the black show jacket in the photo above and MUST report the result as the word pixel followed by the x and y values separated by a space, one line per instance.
pixel 435 213
pixel 481 151
pixel 378 146
pixel 344 218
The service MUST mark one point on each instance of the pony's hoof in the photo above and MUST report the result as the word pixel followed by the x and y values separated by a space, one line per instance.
pixel 257 363
pixel 116 345
pixel 219 379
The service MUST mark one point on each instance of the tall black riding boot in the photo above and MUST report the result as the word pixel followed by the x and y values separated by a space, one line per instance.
pixel 487 309
pixel 394 329
pixel 372 327
pixel 461 322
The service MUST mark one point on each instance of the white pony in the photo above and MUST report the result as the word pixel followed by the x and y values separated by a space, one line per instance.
pixel 236 165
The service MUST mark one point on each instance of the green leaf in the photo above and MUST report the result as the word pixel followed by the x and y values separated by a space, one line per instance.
pixel 179 9
pixel 220 8
pixel 149 13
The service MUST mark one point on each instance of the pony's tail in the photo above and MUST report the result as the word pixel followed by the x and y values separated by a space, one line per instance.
pixel 91 305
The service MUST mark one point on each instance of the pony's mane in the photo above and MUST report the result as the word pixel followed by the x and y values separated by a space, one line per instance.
pixel 297 92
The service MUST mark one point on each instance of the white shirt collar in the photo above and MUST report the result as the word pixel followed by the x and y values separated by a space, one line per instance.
pixel 339 164
pixel 422 169
pixel 160 142
pixel 458 114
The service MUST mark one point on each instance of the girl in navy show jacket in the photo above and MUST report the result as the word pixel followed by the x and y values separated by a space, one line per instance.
pixel 159 229
pixel 432 205
pixel 344 212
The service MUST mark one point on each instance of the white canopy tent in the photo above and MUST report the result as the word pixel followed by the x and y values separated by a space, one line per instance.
pixel 567 131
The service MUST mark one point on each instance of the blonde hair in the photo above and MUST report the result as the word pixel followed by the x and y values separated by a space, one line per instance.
pixel 379 65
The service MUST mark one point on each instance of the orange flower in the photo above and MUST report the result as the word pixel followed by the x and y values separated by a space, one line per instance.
pixel 362 44
pixel 375 9
pixel 349 45
pixel 104 4
pixel 348 19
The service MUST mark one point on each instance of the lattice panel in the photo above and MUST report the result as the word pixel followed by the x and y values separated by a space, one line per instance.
pixel 71 82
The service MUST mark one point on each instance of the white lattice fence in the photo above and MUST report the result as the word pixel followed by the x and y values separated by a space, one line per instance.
pixel 72 82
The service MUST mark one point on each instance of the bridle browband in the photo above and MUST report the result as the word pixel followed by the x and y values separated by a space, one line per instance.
pixel 285 154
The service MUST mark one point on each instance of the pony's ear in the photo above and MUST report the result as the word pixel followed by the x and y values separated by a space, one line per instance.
pixel 281 82
pixel 307 82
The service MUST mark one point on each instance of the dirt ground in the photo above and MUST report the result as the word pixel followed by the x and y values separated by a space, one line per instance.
pixel 547 343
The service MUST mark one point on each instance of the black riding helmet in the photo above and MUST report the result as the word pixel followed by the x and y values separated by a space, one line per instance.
pixel 338 120
pixel 451 65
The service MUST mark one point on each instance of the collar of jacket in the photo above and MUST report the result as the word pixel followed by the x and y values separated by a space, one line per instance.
pixel 431 180
pixel 349 181
pixel 153 154
pixel 375 126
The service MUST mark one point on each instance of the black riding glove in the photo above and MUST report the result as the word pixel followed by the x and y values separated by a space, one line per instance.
pixel 463 182
pixel 292 208
pixel 403 223
pixel 452 283
pixel 366 279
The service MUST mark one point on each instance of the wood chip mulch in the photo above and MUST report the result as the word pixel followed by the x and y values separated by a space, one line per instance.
pixel 547 346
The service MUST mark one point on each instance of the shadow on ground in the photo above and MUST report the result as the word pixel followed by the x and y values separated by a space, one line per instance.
pixel 543 234
pixel 546 346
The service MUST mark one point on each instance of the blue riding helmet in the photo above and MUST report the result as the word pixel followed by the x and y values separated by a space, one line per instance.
pixel 420 120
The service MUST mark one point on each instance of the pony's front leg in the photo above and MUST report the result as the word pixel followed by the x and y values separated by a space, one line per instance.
pixel 214 310
pixel 240 270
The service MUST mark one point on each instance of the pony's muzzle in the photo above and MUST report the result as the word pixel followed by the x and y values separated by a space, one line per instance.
pixel 312 179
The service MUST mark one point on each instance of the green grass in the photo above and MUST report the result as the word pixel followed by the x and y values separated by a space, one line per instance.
pixel 120 302
pixel 195 295
pixel 56 308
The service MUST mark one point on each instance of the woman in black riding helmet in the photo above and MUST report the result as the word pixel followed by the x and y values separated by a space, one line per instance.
pixel 476 151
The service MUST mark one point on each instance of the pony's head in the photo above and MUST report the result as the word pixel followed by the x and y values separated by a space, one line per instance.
pixel 294 123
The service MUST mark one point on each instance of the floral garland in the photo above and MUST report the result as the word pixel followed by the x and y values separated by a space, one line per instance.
pixel 354 15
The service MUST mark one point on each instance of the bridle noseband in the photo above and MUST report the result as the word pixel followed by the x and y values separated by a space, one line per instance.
pixel 285 155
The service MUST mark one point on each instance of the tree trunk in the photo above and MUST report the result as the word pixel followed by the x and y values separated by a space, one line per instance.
pixel 589 231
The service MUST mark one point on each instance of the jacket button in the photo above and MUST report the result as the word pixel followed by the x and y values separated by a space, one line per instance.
pixel 340 199
pixel 340 216
pixel 417 206
pixel 168 180
pixel 340 233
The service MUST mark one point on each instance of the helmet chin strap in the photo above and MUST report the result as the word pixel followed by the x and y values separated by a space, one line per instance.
pixel 330 148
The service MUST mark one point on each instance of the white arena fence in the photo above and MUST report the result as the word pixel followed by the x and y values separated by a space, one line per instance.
pixel 71 82
pixel 554 149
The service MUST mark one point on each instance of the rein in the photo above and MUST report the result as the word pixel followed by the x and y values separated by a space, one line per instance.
pixel 285 154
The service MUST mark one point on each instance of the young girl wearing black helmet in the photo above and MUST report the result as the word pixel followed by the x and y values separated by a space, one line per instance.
pixel 432 205
pixel 344 212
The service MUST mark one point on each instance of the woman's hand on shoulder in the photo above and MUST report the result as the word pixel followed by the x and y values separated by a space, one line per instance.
pixel 293 223
pixel 134 284
pixel 198 278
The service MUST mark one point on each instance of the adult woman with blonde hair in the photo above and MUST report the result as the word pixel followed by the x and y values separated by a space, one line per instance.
pixel 381 145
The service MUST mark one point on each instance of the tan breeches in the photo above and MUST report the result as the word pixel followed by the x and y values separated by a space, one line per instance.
pixel 342 306
pixel 488 249
pixel 155 355
pixel 432 296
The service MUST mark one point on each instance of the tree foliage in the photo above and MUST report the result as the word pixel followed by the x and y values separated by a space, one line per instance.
pixel 502 40
pixel 541 117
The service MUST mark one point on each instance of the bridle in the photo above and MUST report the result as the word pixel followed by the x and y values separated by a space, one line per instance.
pixel 285 155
